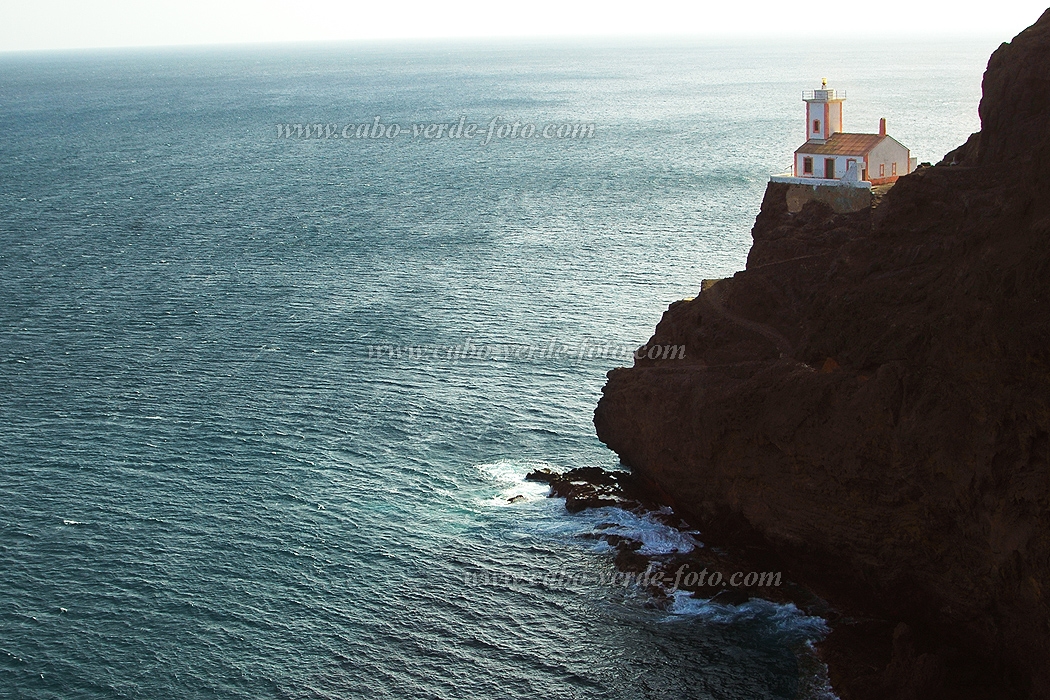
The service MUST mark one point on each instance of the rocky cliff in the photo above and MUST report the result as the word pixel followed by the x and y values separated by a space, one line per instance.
pixel 870 399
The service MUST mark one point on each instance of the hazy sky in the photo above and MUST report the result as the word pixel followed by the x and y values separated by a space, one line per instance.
pixel 53 24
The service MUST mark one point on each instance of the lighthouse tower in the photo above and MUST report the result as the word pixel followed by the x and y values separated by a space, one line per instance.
pixel 823 112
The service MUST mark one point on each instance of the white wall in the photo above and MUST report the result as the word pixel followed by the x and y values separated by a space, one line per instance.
pixel 887 153
pixel 818 164
pixel 815 110
pixel 836 116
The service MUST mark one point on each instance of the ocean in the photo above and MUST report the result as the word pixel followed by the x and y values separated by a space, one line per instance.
pixel 267 396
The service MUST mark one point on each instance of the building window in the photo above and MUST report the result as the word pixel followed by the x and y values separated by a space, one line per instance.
pixel 829 168
pixel 882 170
pixel 816 126
pixel 894 168
pixel 807 166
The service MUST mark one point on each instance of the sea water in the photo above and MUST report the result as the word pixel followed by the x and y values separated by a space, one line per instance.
pixel 265 400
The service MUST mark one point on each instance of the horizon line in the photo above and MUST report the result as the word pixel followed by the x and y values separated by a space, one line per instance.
pixel 902 36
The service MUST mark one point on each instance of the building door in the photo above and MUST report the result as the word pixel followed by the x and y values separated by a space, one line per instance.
pixel 829 168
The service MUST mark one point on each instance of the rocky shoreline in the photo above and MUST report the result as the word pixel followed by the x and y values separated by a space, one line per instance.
pixel 867 404
pixel 856 639
pixel 663 574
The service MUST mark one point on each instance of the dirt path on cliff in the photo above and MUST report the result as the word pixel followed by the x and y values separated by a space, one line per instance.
pixel 713 297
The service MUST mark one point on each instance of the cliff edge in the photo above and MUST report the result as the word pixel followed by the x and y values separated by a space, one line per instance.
pixel 870 399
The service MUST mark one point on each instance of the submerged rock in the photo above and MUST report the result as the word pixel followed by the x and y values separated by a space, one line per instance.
pixel 589 487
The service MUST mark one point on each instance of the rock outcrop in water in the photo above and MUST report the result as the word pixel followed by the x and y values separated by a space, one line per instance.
pixel 870 398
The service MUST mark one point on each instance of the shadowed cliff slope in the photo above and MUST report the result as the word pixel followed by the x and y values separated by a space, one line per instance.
pixel 871 397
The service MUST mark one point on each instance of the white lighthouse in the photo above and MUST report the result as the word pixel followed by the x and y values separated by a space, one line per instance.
pixel 823 112
pixel 830 156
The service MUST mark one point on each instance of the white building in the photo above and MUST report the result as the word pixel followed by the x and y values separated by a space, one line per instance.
pixel 835 157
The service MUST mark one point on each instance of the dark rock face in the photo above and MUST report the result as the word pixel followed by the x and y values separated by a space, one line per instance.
pixel 1016 102
pixel 871 398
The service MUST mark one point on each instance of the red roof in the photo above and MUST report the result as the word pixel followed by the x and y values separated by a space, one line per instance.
pixel 843 145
